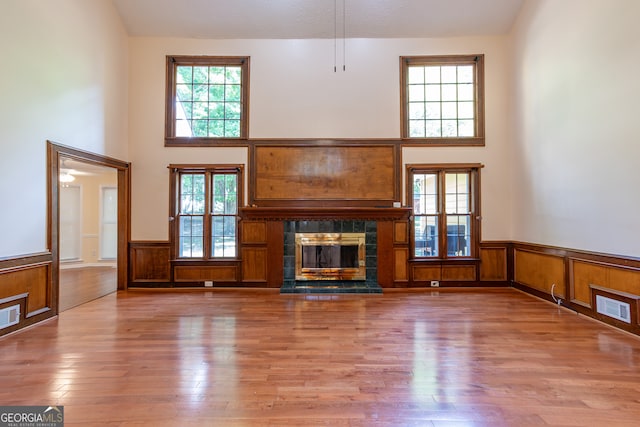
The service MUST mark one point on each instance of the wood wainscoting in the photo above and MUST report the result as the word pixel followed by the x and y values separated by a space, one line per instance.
pixel 575 276
pixel 261 256
pixel 149 264
pixel 27 281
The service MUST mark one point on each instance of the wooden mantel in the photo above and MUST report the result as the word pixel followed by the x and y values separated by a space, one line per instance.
pixel 324 213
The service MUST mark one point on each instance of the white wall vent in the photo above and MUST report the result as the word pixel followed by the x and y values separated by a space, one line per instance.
pixel 613 308
pixel 9 316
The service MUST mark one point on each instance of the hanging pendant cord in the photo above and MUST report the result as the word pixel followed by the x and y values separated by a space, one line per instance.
pixel 344 35
pixel 335 35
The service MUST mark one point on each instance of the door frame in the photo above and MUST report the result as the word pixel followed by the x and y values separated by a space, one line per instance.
pixel 54 152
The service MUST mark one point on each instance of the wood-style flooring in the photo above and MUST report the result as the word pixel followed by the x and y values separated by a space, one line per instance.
pixel 452 357
pixel 79 285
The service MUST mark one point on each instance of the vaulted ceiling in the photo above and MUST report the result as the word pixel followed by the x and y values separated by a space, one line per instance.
pixel 300 19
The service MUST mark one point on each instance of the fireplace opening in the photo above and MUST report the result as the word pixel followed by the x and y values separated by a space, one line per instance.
pixel 330 256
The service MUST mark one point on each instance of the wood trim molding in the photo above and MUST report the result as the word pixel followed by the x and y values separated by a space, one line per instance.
pixel 54 152
pixel 320 214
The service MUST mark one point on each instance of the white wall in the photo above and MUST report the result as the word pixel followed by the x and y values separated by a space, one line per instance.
pixel 63 78
pixel 295 93
pixel 576 149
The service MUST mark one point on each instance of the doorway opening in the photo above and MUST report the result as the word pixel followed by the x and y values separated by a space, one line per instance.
pixel 88 223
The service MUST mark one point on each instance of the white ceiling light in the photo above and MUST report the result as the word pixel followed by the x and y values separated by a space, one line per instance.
pixel 66 177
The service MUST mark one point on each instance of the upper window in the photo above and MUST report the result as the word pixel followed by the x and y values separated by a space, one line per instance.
pixel 443 99
pixel 207 99
pixel 445 210
pixel 206 204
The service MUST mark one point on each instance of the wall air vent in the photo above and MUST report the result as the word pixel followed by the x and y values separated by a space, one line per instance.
pixel 9 316
pixel 613 308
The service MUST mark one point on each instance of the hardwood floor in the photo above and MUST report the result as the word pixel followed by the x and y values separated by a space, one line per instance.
pixel 453 357
pixel 83 284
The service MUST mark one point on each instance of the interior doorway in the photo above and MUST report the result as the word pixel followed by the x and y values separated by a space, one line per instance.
pixel 88 223
pixel 88 235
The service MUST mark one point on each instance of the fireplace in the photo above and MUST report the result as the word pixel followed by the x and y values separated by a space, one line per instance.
pixel 330 256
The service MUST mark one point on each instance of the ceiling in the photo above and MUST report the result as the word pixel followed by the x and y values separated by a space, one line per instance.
pixel 304 19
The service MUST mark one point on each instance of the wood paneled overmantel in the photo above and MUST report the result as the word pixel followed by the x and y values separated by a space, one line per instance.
pixel 324 214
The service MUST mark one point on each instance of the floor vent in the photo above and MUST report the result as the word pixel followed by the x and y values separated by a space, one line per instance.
pixel 613 308
pixel 9 316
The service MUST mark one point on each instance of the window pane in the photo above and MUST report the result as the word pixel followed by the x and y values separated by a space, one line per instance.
pixel 232 110
pixel 416 110
pixel 449 110
pixel 465 74
pixel 449 74
pixel 458 237
pixel 216 111
pixel 185 110
pixel 229 247
pixel 433 128
pixel 232 93
pixel 457 194
pixel 199 127
pixel 465 92
pixel 190 242
pixel 416 128
pixel 184 74
pixel 465 110
pixel 432 110
pixel 217 226
pixel 465 128
pixel 200 93
pixel 426 236
pixel 415 75
pixel 425 194
pixel 192 194
pixel 416 93
pixel 449 92
pixel 216 93
pixel 233 75
pixel 200 74
pixel 216 75
pixel 449 128
pixel 432 93
pixel 232 128
pixel 432 75
pixel 184 92
pixel 216 128
pixel 200 110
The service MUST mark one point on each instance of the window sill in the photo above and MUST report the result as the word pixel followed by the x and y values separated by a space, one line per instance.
pixel 460 260
pixel 204 142
pixel 445 142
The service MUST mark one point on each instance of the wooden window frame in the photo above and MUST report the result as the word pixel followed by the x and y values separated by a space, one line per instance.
pixel 478 62
pixel 174 205
pixel 475 217
pixel 172 62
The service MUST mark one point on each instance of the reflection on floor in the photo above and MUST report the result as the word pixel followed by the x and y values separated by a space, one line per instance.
pixel 451 357
pixel 81 284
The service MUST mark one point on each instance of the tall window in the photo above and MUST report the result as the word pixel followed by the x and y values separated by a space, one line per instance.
pixel 442 99
pixel 109 223
pixel 206 206
pixel 207 99
pixel 444 210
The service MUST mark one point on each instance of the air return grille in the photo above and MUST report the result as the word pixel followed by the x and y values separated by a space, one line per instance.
pixel 613 308
pixel 9 316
